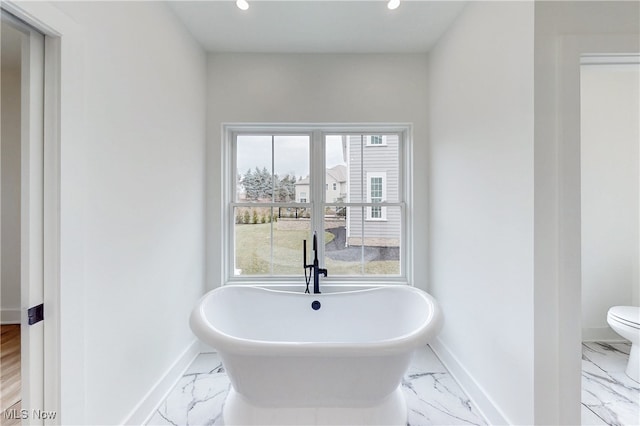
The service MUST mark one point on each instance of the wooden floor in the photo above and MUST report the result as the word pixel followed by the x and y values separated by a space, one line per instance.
pixel 10 383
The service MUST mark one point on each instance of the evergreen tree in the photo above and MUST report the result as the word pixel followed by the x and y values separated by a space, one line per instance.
pixel 248 182
pixel 285 188
pixel 260 184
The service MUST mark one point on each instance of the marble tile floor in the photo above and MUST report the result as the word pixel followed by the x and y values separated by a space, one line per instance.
pixel 433 397
pixel 609 396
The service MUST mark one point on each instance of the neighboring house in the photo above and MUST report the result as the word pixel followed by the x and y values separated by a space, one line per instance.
pixel 370 176
pixel 335 185
pixel 302 190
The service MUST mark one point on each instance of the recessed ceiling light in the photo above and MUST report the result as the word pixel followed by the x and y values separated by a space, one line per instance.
pixel 243 5
pixel 393 4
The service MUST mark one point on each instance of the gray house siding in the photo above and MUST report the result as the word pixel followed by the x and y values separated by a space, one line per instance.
pixel 366 161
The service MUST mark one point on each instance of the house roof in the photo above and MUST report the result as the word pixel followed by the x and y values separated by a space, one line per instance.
pixel 338 173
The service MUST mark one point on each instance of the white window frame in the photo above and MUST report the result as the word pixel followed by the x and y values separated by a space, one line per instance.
pixel 317 199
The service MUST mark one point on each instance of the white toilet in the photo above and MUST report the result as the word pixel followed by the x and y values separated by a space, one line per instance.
pixel 625 320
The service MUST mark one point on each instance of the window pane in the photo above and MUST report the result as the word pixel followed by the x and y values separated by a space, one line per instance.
pixel 376 193
pixel 356 146
pixel 382 243
pixel 291 229
pixel 376 212
pixel 367 158
pixel 291 168
pixel 381 164
pixel 376 189
pixel 375 140
pixel 360 247
pixel 341 258
pixel 268 240
pixel 253 240
pixel 336 176
pixel 254 181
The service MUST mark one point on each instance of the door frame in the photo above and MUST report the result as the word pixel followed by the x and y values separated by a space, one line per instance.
pixel 63 257
pixel 31 216
pixel 558 282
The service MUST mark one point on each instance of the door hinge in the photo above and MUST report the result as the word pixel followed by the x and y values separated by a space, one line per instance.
pixel 36 314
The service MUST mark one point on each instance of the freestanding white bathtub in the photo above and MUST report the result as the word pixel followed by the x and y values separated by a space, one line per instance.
pixel 332 358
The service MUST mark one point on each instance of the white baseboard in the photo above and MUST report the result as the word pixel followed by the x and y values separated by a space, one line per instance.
pixel 144 410
pixel 10 316
pixel 488 409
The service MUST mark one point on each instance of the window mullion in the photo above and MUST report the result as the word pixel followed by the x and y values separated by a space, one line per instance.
pixel 273 197
pixel 362 216
pixel 365 211
pixel 317 188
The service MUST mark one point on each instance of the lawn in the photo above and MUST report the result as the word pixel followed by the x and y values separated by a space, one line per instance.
pixel 253 253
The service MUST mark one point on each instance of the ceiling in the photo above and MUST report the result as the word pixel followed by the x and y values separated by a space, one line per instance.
pixel 314 26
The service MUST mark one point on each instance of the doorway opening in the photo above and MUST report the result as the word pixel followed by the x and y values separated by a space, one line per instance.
pixel 22 220
pixel 610 231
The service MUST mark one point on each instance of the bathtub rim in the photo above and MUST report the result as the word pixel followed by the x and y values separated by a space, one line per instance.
pixel 226 343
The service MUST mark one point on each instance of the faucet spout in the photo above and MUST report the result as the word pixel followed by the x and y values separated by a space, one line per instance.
pixel 314 268
pixel 316 278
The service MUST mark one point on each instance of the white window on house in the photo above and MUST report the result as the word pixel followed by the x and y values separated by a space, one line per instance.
pixel 375 195
pixel 376 140
pixel 365 228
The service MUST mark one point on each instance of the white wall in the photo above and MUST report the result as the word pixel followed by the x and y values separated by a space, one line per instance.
pixel 610 132
pixel 139 195
pixel 298 88
pixel 481 207
pixel 10 279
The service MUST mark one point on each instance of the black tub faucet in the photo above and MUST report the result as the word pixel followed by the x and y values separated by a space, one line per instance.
pixel 314 268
